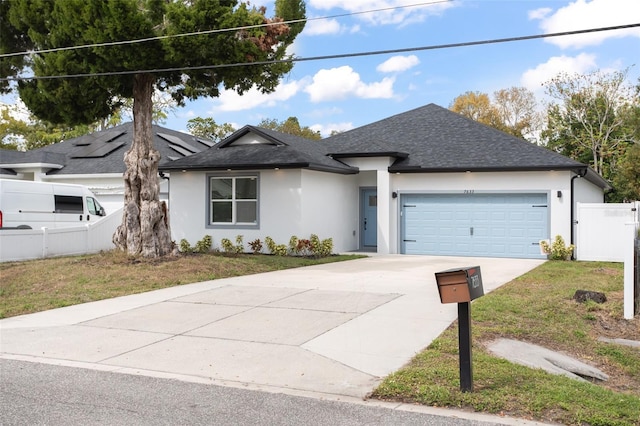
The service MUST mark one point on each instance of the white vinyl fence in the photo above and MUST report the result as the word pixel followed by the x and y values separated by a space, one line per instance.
pixel 24 244
pixel 602 230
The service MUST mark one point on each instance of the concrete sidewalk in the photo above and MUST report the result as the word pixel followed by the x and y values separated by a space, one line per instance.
pixel 331 330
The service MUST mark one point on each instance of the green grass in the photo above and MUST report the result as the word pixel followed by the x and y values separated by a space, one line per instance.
pixel 536 308
pixel 39 285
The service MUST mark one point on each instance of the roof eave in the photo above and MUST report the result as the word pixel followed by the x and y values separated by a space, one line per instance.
pixel 393 154
pixel 274 166
pixel 419 169
pixel 597 180
pixel 18 166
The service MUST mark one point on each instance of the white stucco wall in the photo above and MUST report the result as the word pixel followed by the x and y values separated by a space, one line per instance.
pixel 291 202
pixel 375 174
pixel 302 202
pixel 586 192
pixel 330 208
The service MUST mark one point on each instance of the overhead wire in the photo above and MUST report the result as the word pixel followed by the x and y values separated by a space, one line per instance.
pixel 215 31
pixel 334 56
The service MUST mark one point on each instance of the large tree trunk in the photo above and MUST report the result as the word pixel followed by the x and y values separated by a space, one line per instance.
pixel 145 223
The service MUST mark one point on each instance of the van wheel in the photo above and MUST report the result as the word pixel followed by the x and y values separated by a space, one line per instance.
pixel 23 227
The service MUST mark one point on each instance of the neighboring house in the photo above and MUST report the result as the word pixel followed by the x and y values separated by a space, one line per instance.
pixel 427 181
pixel 96 160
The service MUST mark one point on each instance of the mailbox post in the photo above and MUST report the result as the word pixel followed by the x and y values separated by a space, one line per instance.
pixel 461 286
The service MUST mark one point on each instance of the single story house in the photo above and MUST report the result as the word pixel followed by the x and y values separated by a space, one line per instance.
pixel 96 160
pixel 427 181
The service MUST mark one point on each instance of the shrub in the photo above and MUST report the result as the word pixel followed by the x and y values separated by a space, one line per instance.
pixel 293 245
pixel 271 245
pixel 304 247
pixel 276 249
pixel 326 247
pixel 557 250
pixel 239 247
pixel 314 243
pixel 320 248
pixel 204 245
pixel 256 246
pixel 227 245
pixel 185 247
pixel 280 250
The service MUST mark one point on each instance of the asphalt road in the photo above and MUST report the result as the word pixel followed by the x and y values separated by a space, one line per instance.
pixel 39 394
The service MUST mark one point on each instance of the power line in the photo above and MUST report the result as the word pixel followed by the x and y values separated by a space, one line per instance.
pixel 336 56
pixel 222 30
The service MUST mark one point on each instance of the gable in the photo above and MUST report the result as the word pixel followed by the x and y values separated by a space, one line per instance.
pixel 256 148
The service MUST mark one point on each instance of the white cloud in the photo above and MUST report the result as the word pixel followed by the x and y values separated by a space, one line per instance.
pixel 320 113
pixel 322 27
pixel 343 82
pixel 326 129
pixel 533 79
pixel 539 13
pixel 583 14
pixel 229 100
pixel 398 63
pixel 386 11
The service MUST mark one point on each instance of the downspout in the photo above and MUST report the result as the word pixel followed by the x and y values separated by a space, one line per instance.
pixel 579 174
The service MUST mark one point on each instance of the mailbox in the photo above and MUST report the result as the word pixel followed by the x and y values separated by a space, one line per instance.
pixel 459 285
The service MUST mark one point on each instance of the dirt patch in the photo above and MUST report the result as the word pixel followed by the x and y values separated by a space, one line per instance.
pixel 607 271
pixel 611 324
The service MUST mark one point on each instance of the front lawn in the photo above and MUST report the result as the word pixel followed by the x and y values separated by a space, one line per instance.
pixel 536 308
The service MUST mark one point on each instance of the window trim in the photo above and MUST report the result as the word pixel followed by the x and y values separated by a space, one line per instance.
pixel 231 225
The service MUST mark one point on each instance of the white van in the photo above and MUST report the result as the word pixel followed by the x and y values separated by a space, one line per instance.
pixel 35 205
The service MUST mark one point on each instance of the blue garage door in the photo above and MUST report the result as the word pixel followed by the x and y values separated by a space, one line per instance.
pixel 493 225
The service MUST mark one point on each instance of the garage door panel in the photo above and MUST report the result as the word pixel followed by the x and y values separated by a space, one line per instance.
pixel 501 225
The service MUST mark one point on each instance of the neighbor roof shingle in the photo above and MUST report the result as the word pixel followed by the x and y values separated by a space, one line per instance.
pixel 103 152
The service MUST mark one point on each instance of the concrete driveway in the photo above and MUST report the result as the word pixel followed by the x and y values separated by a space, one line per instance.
pixel 328 330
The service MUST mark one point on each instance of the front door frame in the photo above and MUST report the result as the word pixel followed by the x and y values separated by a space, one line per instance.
pixel 368 220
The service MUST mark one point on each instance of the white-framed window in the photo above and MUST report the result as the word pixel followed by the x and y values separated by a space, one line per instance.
pixel 233 200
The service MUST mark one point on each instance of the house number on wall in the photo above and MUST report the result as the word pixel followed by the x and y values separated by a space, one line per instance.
pixel 469 191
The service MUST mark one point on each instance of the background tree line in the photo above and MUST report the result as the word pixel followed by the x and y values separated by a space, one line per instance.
pixel 593 118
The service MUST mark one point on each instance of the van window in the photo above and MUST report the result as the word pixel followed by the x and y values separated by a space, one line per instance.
pixel 68 204
pixel 93 206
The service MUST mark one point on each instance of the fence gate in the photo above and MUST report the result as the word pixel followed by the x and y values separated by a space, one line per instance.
pixel 601 230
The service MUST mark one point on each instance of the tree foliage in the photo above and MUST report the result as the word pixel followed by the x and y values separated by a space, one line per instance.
pixel 476 106
pixel 512 110
pixel 181 66
pixel 32 134
pixel 594 120
pixel 517 112
pixel 291 126
pixel 208 128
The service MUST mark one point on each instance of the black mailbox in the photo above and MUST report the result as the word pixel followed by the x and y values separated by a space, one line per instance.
pixel 459 285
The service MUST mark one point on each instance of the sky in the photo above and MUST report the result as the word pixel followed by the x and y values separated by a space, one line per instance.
pixel 345 93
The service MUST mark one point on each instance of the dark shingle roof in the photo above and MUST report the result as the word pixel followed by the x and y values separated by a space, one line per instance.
pixel 11 158
pixel 439 140
pixel 103 151
pixel 282 151
pixel 428 139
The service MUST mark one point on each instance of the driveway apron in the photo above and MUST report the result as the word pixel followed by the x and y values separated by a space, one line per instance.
pixel 335 329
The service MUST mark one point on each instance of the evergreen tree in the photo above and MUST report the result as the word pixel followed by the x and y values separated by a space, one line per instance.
pixel 91 38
